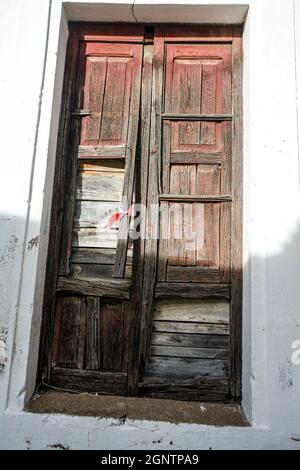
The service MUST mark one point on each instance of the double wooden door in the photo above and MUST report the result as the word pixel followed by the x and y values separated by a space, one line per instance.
pixel 143 289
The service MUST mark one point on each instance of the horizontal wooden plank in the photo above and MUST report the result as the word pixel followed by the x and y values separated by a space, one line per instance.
pixel 99 151
pixel 192 274
pixel 95 214
pixel 190 158
pixel 109 32
pixel 94 238
pixel 190 327
pixel 201 353
pixel 205 389
pixel 197 117
pixel 190 340
pixel 99 186
pixel 190 198
pixel 196 33
pixel 167 290
pixel 89 381
pixel 111 288
pixel 97 256
pixel 184 368
pixel 192 311
pixel 102 166
pixel 96 271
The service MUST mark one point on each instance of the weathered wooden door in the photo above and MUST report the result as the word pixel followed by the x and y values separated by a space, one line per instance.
pixel 191 290
pixel 146 296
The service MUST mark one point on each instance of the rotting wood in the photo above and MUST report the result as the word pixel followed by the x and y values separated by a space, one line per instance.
pixel 99 151
pixel 189 327
pixel 237 220
pixel 111 383
pixel 190 340
pixel 152 222
pixel 205 389
pixel 93 343
pixel 168 290
pixel 184 368
pixel 134 364
pixel 95 271
pixel 128 188
pixel 199 353
pixel 100 288
pixel 192 311
pixel 96 256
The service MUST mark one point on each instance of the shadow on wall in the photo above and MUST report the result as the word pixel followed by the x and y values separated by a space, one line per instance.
pixel 271 332
pixel 12 257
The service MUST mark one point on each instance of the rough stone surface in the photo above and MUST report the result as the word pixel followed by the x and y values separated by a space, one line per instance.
pixel 128 408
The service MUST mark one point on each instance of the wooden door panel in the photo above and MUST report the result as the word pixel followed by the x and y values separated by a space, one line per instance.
pixel 195 180
pixel 90 334
pixel 196 162
pixel 196 137
pixel 113 337
pixel 160 319
pixel 69 336
pixel 99 188
pixel 100 181
pixel 195 235
pixel 108 87
pixel 194 125
pixel 198 79
pixel 92 312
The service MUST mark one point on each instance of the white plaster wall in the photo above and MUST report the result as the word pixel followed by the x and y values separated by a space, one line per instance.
pixel 32 47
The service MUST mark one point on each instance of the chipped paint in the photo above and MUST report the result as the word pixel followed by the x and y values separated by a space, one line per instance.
pixel 33 243
pixel 285 377
pixel 3 353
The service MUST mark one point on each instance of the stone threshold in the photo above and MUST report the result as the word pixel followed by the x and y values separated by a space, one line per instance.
pixel 132 408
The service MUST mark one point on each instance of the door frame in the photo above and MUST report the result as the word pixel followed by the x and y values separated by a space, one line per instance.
pixel 64 165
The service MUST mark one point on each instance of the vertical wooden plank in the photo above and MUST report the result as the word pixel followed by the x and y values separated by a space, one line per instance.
pixel 113 103
pixel 71 176
pixel 93 98
pixel 225 242
pixel 127 195
pixel 237 228
pixel 208 129
pixel 182 241
pixel 208 183
pixel 70 329
pixel 164 216
pixel 187 86
pixel 226 209
pixel 57 207
pixel 132 315
pixel 166 156
pixel 93 333
pixel 153 208
pixel 163 248
pixel 226 167
pixel 112 336
pixel 226 127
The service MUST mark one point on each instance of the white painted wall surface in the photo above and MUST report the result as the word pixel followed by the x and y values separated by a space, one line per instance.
pixel 32 46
